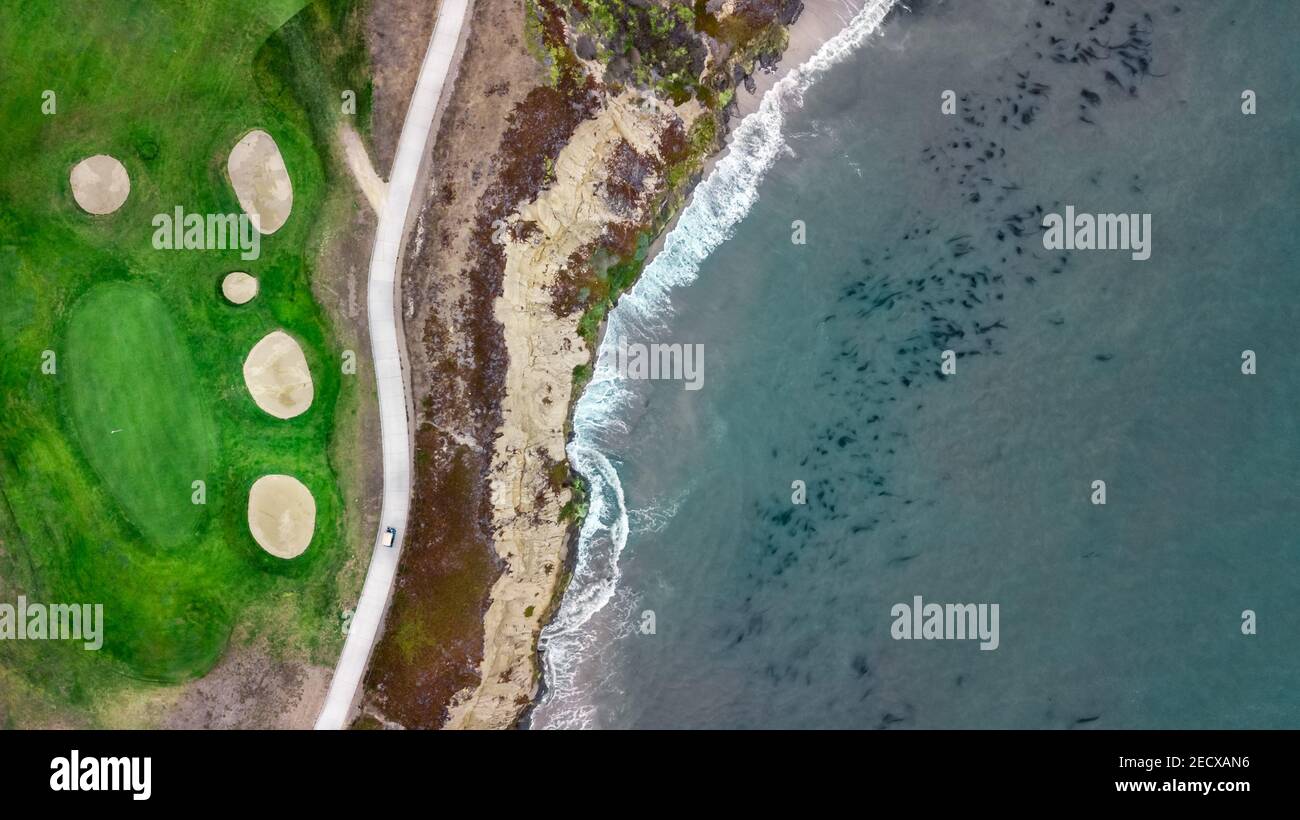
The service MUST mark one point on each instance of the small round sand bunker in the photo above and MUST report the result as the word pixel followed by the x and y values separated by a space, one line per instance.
pixel 239 287
pixel 277 376
pixel 261 181
pixel 100 184
pixel 281 515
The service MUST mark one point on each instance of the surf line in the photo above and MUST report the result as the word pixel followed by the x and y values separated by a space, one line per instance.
pixel 717 205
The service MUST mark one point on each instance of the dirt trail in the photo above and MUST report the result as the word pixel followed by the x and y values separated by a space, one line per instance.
pixel 363 171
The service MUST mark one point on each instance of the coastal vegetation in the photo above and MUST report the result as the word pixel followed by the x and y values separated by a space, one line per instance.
pixel 602 116
pixel 682 53
pixel 681 50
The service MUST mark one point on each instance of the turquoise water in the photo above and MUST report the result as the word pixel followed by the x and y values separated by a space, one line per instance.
pixel 822 364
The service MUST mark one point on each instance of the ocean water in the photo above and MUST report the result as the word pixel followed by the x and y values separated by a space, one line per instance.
pixel 822 365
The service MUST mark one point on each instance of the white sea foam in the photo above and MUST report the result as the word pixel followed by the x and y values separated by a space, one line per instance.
pixel 719 203
pixel 653 518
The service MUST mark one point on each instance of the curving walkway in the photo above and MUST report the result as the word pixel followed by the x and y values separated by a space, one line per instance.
pixel 385 339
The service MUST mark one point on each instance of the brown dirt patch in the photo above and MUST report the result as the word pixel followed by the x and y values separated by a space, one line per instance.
pixel 250 689
pixel 451 280
pixel 397 34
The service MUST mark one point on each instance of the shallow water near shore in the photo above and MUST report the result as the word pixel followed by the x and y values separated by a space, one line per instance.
pixel 821 365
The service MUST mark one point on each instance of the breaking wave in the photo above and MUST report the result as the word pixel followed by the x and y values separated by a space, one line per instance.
pixel 718 204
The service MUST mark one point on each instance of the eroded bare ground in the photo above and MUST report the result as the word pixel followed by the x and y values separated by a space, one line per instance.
pixel 546 188
pixel 433 638
pixel 397 34
pixel 340 285
pixel 249 689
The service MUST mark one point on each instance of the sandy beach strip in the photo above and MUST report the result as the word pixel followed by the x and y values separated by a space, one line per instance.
pixel 819 21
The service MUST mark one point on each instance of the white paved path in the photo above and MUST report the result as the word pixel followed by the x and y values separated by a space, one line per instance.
pixel 384 341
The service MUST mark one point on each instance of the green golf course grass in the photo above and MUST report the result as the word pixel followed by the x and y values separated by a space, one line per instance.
pixel 145 344
pixel 132 394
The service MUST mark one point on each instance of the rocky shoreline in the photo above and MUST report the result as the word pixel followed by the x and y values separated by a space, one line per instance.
pixel 603 115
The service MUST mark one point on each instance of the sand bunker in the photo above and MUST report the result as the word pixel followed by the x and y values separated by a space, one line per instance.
pixel 239 287
pixel 100 184
pixel 277 376
pixel 281 515
pixel 261 181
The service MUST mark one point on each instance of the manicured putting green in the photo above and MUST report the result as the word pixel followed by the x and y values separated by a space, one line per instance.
pixel 133 397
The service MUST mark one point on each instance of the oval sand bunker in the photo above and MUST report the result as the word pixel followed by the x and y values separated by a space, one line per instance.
pixel 100 184
pixel 239 287
pixel 277 376
pixel 281 515
pixel 261 181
